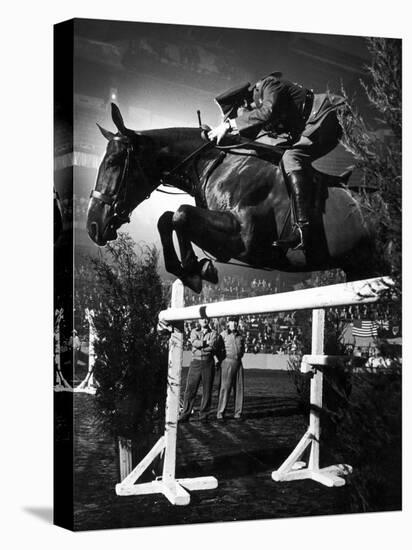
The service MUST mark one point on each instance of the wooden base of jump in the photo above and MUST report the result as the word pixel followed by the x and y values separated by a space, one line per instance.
pixel 61 383
pixel 88 385
pixel 293 468
pixel 62 387
pixel 173 489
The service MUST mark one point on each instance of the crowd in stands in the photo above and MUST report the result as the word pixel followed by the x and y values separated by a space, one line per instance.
pixel 232 288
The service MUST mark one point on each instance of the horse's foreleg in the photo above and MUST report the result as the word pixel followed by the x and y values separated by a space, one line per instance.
pixel 188 257
pixel 172 263
pixel 216 232
pixel 165 228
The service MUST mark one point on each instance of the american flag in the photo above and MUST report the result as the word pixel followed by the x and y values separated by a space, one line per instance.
pixel 364 329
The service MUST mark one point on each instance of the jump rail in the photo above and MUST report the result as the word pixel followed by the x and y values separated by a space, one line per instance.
pixel 359 292
pixel 366 291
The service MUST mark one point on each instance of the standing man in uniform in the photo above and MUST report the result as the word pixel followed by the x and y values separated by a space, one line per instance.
pixel 204 341
pixel 231 348
pixel 308 122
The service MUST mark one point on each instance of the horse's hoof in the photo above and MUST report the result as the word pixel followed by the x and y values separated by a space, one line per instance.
pixel 208 272
pixel 194 282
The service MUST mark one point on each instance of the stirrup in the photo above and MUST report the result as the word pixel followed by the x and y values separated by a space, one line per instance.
pixel 303 230
pixel 300 245
pixel 296 242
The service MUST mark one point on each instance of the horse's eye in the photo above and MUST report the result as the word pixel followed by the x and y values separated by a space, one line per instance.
pixel 115 159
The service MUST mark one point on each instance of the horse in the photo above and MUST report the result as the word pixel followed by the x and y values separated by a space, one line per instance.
pixel 242 205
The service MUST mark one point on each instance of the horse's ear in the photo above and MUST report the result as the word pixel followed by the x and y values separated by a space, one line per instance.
pixel 108 135
pixel 118 119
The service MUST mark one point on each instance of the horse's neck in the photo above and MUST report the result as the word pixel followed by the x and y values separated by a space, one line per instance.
pixel 172 147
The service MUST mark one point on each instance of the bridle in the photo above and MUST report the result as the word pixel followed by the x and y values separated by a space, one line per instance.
pixel 118 198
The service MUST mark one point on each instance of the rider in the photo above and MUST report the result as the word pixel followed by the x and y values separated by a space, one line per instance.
pixel 277 107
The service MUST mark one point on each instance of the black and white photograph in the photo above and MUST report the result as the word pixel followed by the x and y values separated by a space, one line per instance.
pixel 225 302
pixel 230 315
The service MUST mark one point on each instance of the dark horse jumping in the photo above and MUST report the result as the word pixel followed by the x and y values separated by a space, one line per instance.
pixel 242 205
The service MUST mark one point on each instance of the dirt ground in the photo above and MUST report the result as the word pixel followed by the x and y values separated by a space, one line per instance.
pixel 241 456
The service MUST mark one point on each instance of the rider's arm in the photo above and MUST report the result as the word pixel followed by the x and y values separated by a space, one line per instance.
pixel 270 93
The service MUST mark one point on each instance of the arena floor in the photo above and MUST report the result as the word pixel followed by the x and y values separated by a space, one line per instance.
pixel 240 455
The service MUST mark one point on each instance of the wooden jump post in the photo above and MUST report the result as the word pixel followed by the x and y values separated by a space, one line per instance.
pixel 316 299
pixel 88 385
pixel 60 383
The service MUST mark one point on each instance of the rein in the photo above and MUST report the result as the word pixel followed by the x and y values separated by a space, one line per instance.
pixel 176 169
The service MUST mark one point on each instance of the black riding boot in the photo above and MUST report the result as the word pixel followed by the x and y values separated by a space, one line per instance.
pixel 300 195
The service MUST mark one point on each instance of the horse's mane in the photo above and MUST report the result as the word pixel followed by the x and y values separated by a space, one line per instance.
pixel 174 135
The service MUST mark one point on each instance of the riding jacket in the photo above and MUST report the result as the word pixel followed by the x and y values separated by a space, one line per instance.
pixel 279 106
pixel 282 107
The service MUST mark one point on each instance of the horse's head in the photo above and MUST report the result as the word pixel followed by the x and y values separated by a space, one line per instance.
pixel 122 183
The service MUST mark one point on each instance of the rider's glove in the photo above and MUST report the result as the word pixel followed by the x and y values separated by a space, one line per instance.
pixel 219 132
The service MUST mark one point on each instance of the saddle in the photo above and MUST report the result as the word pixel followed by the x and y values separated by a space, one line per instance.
pixel 253 147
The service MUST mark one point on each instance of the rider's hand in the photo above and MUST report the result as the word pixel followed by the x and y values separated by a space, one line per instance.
pixel 219 132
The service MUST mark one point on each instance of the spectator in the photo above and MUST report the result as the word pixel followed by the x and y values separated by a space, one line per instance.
pixel 201 369
pixel 377 360
pixel 231 348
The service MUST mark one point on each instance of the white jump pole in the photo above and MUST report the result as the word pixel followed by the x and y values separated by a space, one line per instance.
pixel 173 489
pixel 61 383
pixel 88 385
pixel 365 292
